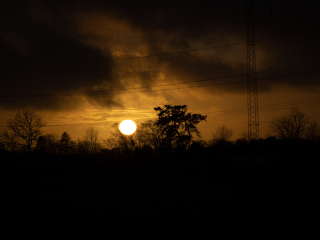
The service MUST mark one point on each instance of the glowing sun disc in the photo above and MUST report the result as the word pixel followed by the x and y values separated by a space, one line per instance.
pixel 127 127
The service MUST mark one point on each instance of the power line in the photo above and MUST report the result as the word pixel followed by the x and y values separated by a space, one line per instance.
pixel 167 89
pixel 176 28
pixel 268 109
pixel 129 73
pixel 311 100
pixel 210 79
pixel 202 80
pixel 165 33
pixel 155 55
pixel 120 59
pixel 278 106
pixel 216 84
pixel 237 111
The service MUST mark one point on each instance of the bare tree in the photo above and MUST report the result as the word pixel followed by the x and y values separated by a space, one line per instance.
pixel 120 141
pixel 83 146
pixel 223 133
pixel 52 142
pixel 92 137
pixel 23 130
pixel 244 135
pixel 291 126
pixel 313 131
pixel 10 141
pixel 149 134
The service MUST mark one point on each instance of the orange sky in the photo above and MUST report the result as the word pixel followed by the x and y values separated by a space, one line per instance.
pixel 69 54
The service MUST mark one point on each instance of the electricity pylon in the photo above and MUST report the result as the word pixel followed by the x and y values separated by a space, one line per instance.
pixel 252 94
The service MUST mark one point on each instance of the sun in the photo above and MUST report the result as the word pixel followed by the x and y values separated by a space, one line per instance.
pixel 127 127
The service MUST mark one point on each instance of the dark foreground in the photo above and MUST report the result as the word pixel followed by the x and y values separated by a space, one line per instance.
pixel 59 194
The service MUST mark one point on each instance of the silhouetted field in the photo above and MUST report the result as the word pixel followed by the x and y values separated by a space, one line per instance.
pixel 92 192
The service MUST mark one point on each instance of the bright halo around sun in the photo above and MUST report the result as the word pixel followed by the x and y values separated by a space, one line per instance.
pixel 127 127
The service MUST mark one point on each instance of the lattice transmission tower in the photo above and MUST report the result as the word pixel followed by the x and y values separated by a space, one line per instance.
pixel 252 93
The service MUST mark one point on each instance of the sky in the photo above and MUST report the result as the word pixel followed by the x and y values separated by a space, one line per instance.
pixel 93 63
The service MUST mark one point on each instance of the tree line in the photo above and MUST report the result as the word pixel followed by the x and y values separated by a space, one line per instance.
pixel 174 131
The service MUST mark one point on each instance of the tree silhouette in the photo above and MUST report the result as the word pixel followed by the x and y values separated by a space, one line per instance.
pixel 222 133
pixel 124 143
pixel 92 138
pixel 148 134
pixel 83 146
pixel 244 136
pixel 313 131
pixel 177 125
pixel 23 130
pixel 66 145
pixel 291 126
pixel 47 143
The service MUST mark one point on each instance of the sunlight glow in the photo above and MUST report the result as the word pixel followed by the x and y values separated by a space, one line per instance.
pixel 127 127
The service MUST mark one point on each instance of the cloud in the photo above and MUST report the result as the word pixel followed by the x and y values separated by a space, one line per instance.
pixel 68 43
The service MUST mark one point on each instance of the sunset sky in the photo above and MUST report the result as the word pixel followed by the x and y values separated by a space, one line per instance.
pixel 94 63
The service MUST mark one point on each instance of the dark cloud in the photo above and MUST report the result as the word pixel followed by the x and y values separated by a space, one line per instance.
pixel 53 48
